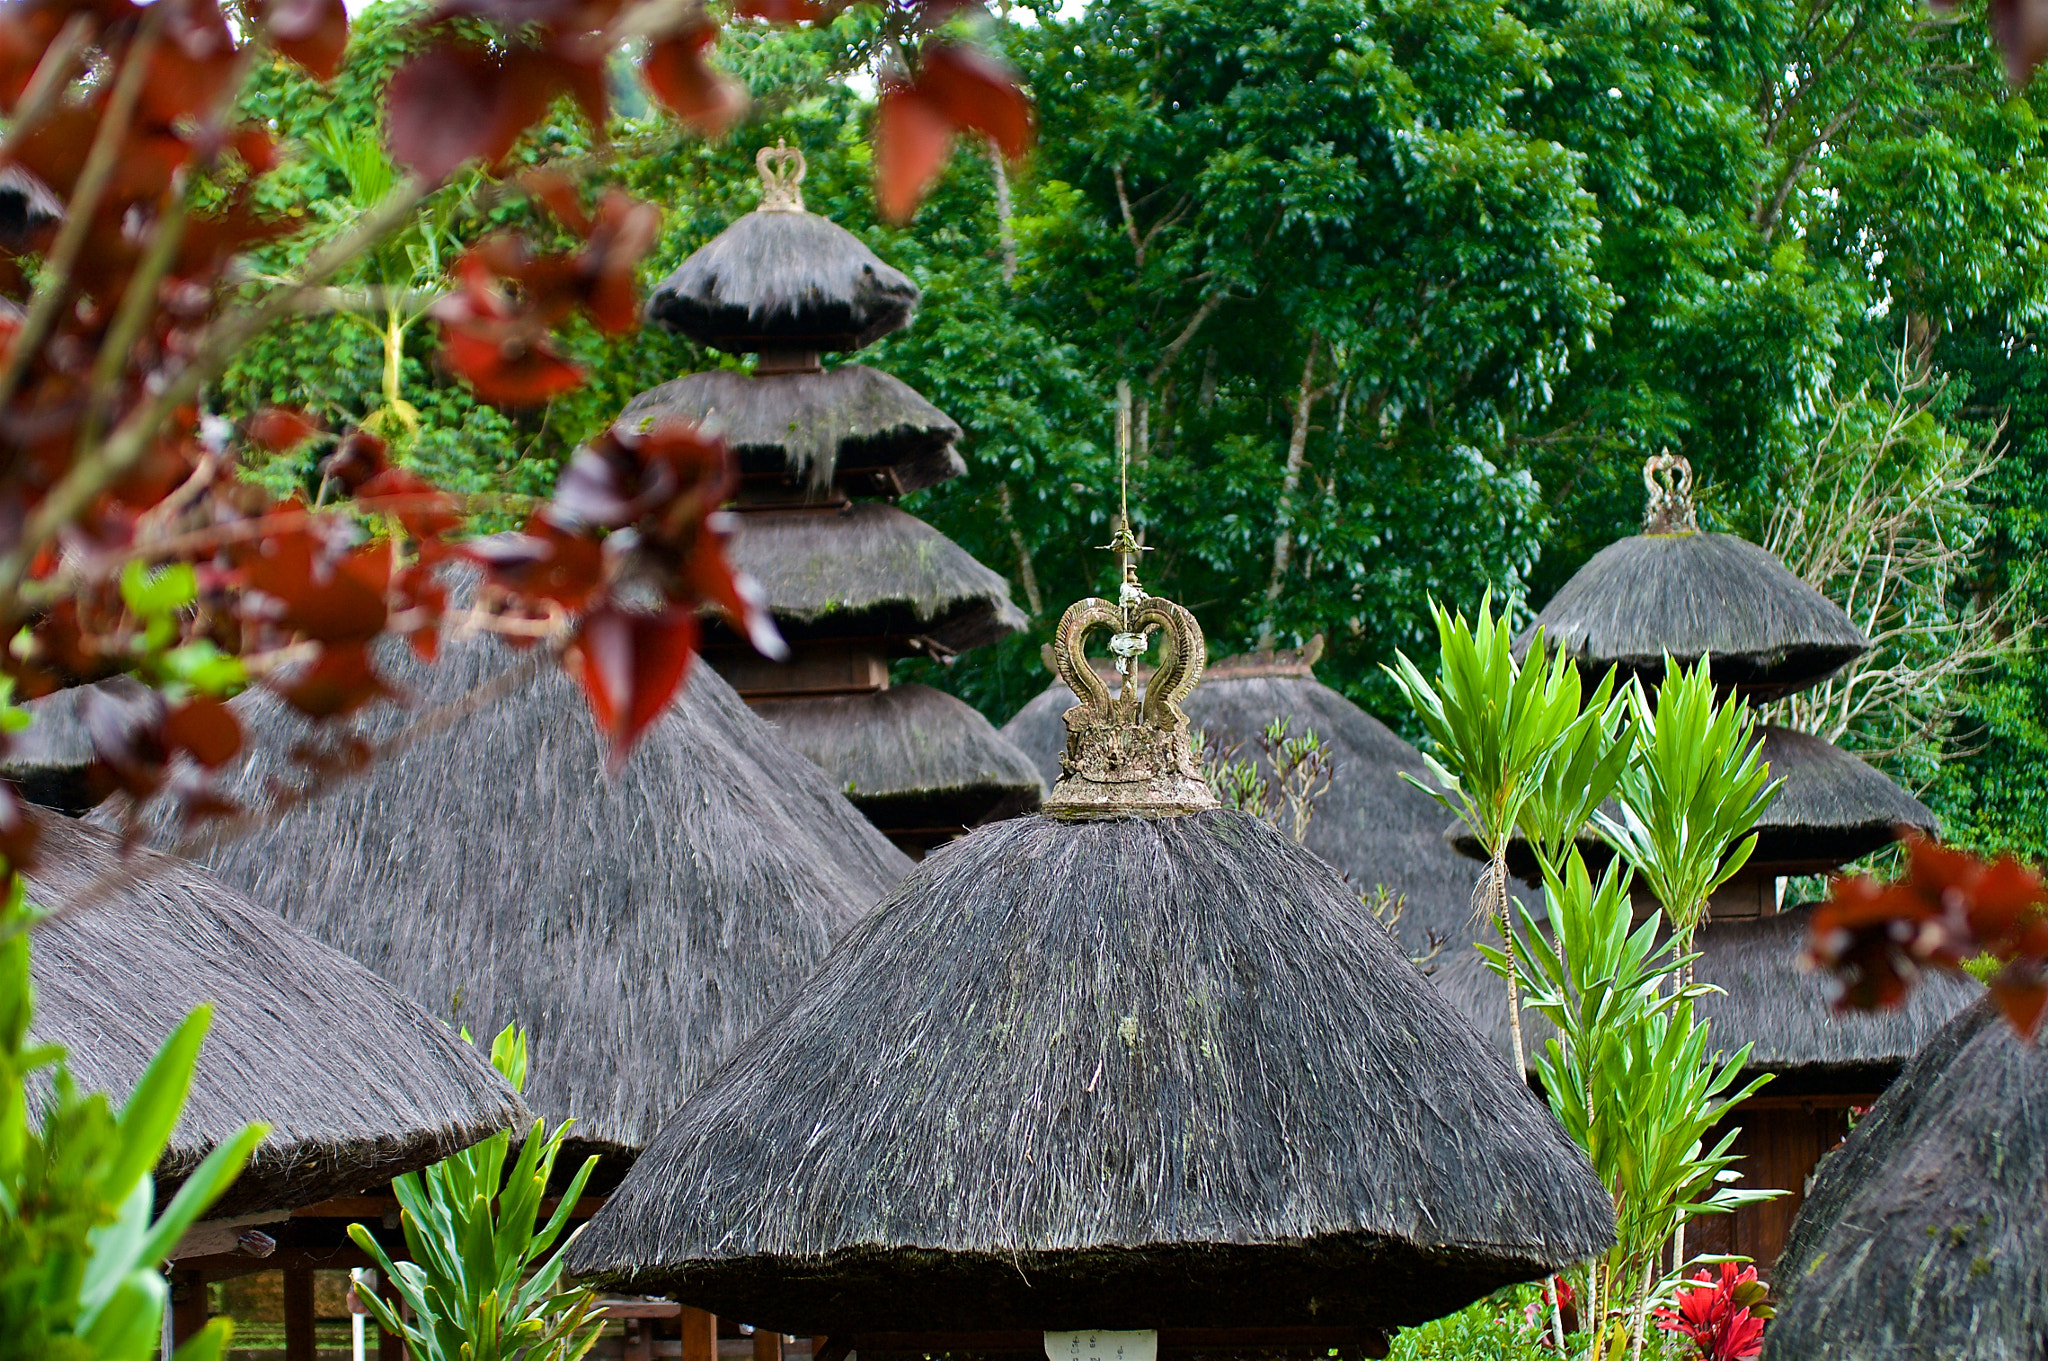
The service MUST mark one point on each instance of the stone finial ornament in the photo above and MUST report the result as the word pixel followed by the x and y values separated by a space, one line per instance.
pixel 1128 753
pixel 1668 477
pixel 782 178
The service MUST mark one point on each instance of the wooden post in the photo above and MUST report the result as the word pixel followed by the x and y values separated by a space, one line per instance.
pixel 639 1340
pixel 700 1334
pixel 299 1343
pixel 767 1345
pixel 188 1305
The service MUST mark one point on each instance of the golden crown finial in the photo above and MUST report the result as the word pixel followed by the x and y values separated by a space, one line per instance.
pixel 1669 479
pixel 782 177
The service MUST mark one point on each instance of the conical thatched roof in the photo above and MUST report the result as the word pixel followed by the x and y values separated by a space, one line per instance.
pixel 1695 594
pixel 1834 808
pixel 1375 827
pixel 851 426
pixel 640 925
pixel 910 757
pixel 871 571
pixel 357 1083
pixel 51 760
pixel 1925 1235
pixel 1768 1001
pixel 784 280
pixel 1111 1074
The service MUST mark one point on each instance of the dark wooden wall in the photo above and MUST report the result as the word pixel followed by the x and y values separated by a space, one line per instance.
pixel 1782 1141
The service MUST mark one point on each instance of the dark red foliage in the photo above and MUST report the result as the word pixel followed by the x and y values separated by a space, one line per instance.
pixel 1949 907
pixel 280 428
pixel 679 71
pixel 956 88
pixel 630 664
pixel 313 33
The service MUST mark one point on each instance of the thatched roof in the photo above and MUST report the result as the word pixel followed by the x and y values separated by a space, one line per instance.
pixel 853 426
pixel 910 756
pixel 357 1083
pixel 871 571
pixel 1768 1001
pixel 26 207
pixel 1110 1073
pixel 1834 808
pixel 784 280
pixel 639 925
pixel 1925 1234
pixel 1696 594
pixel 1375 827
pixel 51 760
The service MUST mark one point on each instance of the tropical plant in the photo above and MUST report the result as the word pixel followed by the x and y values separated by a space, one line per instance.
pixel 1696 784
pixel 1722 1316
pixel 1492 726
pixel 482 1285
pixel 79 1248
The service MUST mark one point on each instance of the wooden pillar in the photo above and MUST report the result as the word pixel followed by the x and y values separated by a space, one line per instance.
pixel 299 1344
pixel 767 1345
pixel 639 1340
pixel 700 1334
pixel 188 1305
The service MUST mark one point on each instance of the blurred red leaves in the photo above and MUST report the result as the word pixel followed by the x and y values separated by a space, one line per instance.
pixel 313 33
pixel 1948 908
pixel 679 72
pixel 956 88
pixel 630 663
pixel 280 429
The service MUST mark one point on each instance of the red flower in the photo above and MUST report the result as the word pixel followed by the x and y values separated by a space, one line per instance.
pixel 1724 1319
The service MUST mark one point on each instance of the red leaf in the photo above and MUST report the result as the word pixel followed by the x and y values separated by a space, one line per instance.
pixel 313 33
pixel 257 148
pixel 912 140
pixel 2020 28
pixel 557 192
pixel 630 666
pixel 2021 993
pixel 710 577
pixel 971 89
pixel 544 563
pixel 508 369
pixel 280 429
pixel 625 231
pixel 679 71
pixel 425 510
pixel 339 681
pixel 359 457
pixel 205 727
pixel 456 103
pixel 17 831
pixel 327 597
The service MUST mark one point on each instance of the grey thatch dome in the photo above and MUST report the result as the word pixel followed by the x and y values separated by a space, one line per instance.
pixel 1925 1234
pixel 1834 807
pixel 1375 827
pixel 853 426
pixel 871 571
pixel 1113 1073
pixel 640 925
pixel 357 1083
pixel 1695 594
pixel 1768 1000
pixel 784 281
pixel 910 756
pixel 51 760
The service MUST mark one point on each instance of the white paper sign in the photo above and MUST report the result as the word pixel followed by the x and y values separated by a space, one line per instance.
pixel 1098 1346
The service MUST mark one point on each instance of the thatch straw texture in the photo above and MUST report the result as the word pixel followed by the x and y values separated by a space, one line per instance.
pixel 852 425
pixel 26 207
pixel 1374 826
pixel 640 925
pixel 357 1083
pixel 1925 1235
pixel 1834 808
pixel 50 761
pixel 1117 1074
pixel 910 755
pixel 784 281
pixel 871 571
pixel 1768 1000
pixel 1691 595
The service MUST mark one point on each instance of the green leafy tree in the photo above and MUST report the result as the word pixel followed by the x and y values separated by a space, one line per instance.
pixel 483 1283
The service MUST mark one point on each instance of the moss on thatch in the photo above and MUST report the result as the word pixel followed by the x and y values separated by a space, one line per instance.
pixel 1926 1233
pixel 1691 595
pixel 51 760
pixel 1834 808
pixel 1115 1073
pixel 640 926
pixel 1374 826
pixel 851 425
pixel 1768 1000
pixel 781 280
pixel 871 571
pixel 357 1083
pixel 910 755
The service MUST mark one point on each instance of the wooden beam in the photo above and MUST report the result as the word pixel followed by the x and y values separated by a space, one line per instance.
pixel 224 1237
pixel 700 1334
pixel 299 1341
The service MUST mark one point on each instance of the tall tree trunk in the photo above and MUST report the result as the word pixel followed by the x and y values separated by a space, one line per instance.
pixel 1290 482
pixel 1497 887
pixel 1027 575
pixel 1006 234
